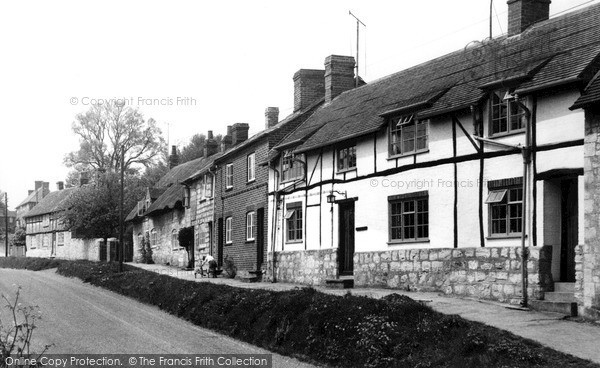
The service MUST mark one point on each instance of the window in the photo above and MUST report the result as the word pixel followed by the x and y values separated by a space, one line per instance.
pixel 153 238
pixel 175 239
pixel 186 197
pixel 251 167
pixel 506 211
pixel 60 239
pixel 229 176
pixel 250 225
pixel 208 186
pixel 408 135
pixel 46 221
pixel 346 158
pixel 409 217
pixel 292 166
pixel 228 230
pixel 293 220
pixel 507 115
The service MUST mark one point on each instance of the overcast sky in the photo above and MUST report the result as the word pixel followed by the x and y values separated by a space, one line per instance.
pixel 226 61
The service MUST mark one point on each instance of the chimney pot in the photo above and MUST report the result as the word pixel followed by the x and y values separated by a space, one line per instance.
pixel 524 13
pixel 173 158
pixel 60 185
pixel 271 117
pixel 339 76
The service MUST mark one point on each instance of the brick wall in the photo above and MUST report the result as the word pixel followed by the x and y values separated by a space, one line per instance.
pixel 238 201
pixel 40 245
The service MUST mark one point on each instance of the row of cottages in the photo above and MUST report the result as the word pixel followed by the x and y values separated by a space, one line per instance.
pixel 165 209
pixel 421 180
pixel 222 195
pixel 46 235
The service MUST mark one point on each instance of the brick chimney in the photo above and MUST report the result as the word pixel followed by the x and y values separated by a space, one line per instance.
pixel 30 191
pixel 226 142
pixel 173 157
pixel 38 184
pixel 210 146
pixel 239 133
pixel 60 185
pixel 309 87
pixel 339 76
pixel 524 13
pixel 271 116
pixel 45 188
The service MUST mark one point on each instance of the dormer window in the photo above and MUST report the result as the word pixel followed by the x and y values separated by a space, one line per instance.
pixel 507 116
pixel 408 135
pixel 292 166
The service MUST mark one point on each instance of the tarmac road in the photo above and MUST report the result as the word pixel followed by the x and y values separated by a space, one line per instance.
pixel 83 319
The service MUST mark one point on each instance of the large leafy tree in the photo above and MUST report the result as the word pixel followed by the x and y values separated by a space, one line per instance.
pixel 107 128
pixel 92 211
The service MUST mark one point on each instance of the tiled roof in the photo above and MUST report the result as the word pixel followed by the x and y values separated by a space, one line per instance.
pixel 51 203
pixel 555 51
pixel 590 95
pixel 33 197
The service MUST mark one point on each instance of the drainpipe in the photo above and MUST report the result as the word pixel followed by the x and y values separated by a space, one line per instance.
pixel 526 152
pixel 274 223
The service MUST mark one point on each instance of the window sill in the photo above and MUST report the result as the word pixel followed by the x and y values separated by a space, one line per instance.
pixel 402 242
pixel 511 236
pixel 227 189
pixel 248 182
pixel 393 157
pixel 502 135
pixel 343 171
pixel 229 243
pixel 250 241
pixel 294 242
pixel 287 181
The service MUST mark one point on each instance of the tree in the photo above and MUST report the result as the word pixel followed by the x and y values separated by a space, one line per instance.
pixel 92 211
pixel 195 148
pixel 104 129
pixel 186 240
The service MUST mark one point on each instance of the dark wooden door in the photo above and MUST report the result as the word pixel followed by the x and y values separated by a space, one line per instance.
pixel 103 252
pixel 260 237
pixel 569 229
pixel 53 250
pixel 346 242
pixel 220 236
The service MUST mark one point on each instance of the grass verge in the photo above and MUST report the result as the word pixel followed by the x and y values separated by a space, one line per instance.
pixel 348 331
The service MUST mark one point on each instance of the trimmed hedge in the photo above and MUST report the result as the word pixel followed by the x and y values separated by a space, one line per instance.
pixel 33 264
pixel 348 331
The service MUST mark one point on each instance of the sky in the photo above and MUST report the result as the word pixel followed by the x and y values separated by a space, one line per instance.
pixel 195 66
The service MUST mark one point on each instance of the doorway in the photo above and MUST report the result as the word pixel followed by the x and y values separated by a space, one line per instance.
pixel 260 243
pixel 346 242
pixel 220 242
pixel 569 228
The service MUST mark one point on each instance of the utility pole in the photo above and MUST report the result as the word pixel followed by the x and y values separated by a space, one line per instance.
pixel 491 15
pixel 121 248
pixel 358 23
pixel 6 224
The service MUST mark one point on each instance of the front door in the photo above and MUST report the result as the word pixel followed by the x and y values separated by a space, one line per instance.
pixel 346 244
pixel 220 242
pixel 260 243
pixel 53 250
pixel 569 229
pixel 103 252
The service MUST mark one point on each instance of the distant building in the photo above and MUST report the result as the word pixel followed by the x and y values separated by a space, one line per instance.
pixel 34 196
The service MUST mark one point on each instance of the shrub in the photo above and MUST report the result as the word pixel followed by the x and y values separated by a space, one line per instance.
pixel 146 250
pixel 229 267
pixel 16 329
pixel 30 263
pixel 341 331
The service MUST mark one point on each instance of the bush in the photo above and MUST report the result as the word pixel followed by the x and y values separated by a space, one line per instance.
pixel 146 250
pixel 229 267
pixel 30 263
pixel 348 331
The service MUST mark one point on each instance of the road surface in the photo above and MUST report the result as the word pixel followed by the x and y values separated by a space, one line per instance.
pixel 83 319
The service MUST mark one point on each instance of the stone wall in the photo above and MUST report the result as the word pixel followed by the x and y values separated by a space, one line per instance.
pixel 485 273
pixel 310 267
pixel 587 261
